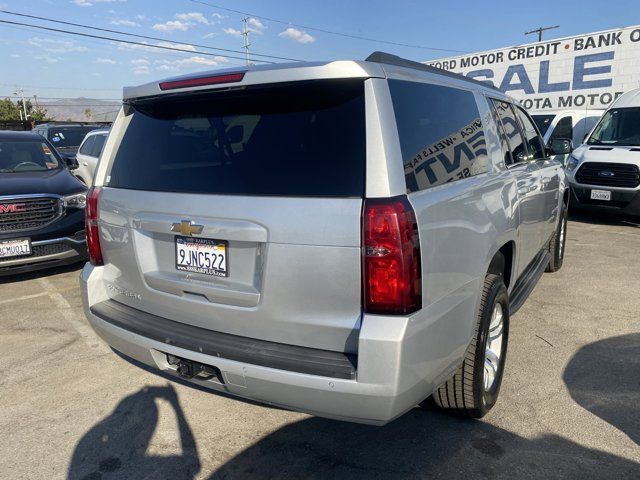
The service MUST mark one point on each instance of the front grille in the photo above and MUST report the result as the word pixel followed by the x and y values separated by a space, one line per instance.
pixel 28 213
pixel 595 173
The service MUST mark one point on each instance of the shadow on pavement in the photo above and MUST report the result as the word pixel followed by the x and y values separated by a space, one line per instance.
pixel 604 378
pixel 116 447
pixel 45 272
pixel 421 444
pixel 424 443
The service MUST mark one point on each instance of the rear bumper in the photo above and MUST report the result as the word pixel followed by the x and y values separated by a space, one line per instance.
pixel 54 252
pixel 401 360
pixel 622 200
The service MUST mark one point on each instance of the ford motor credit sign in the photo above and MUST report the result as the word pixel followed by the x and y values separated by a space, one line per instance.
pixel 585 71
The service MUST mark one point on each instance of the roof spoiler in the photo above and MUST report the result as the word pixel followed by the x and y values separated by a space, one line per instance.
pixel 389 59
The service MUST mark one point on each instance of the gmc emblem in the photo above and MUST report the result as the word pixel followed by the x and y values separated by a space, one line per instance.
pixel 13 207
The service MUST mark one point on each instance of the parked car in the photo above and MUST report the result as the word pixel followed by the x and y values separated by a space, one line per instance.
pixel 605 171
pixel 572 125
pixel 65 137
pixel 88 155
pixel 41 206
pixel 343 238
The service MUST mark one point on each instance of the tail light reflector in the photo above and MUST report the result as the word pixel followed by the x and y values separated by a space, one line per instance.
pixel 91 225
pixel 391 257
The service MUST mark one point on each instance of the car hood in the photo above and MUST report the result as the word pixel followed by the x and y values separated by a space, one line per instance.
pixel 607 154
pixel 59 182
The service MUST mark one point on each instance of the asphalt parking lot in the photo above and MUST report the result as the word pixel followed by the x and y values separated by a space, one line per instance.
pixel 569 406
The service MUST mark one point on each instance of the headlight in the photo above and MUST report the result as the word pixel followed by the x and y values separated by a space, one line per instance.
pixel 572 163
pixel 77 200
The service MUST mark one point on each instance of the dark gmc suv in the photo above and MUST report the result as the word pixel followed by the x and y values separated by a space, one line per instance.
pixel 41 206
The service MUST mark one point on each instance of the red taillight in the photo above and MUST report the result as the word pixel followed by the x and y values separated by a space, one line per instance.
pixel 91 225
pixel 201 81
pixel 391 257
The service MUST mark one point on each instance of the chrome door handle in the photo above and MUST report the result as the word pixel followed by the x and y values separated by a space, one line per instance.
pixel 85 164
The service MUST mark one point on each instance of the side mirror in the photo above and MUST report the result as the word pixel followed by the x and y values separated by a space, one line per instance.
pixel 71 162
pixel 561 146
pixel 235 134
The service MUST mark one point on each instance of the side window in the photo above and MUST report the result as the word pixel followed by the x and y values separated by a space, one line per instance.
pixel 511 129
pixel 86 147
pixel 564 129
pixel 98 145
pixel 534 142
pixel 440 131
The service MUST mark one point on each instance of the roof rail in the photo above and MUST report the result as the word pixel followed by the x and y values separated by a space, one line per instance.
pixel 389 59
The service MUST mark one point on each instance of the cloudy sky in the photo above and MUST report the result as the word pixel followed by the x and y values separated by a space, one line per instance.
pixel 55 64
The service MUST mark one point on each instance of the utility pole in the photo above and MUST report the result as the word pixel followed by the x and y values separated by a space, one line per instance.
pixel 20 92
pixel 540 30
pixel 245 35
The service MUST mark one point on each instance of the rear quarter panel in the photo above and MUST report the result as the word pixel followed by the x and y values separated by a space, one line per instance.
pixel 462 225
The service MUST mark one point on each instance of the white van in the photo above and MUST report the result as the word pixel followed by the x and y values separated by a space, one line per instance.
pixel 605 170
pixel 565 124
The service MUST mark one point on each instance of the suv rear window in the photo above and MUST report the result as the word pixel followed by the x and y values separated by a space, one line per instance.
pixel 297 139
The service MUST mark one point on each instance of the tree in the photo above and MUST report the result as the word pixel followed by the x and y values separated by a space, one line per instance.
pixel 36 114
pixel 14 111
pixel 88 113
pixel 9 110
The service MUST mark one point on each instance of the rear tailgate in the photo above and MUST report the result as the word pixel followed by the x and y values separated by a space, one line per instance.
pixel 274 178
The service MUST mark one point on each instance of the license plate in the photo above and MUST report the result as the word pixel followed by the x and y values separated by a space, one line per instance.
pixel 202 255
pixel 600 195
pixel 15 248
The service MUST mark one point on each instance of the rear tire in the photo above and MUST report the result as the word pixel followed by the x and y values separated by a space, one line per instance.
pixel 557 243
pixel 474 388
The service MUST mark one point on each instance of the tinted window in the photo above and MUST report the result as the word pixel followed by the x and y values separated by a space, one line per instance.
pixel 534 142
pixel 98 145
pixel 619 126
pixel 441 135
pixel 26 156
pixel 305 139
pixel 511 130
pixel 86 147
pixel 543 122
pixel 66 137
pixel 563 129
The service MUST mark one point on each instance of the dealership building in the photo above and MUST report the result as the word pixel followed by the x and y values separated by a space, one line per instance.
pixel 586 71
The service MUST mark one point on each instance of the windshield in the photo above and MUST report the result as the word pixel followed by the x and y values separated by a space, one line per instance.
pixel 68 137
pixel 21 156
pixel 292 140
pixel 618 126
pixel 543 122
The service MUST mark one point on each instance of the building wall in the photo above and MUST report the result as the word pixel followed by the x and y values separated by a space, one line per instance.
pixel 585 71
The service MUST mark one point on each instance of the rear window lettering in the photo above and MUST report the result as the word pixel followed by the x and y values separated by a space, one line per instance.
pixel 441 135
pixel 303 139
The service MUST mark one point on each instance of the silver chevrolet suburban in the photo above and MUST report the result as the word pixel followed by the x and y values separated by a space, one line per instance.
pixel 346 239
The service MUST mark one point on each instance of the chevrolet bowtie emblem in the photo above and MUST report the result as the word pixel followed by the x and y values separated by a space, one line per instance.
pixel 186 227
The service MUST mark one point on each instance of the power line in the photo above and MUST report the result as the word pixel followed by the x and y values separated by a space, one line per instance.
pixel 77 105
pixel 13 85
pixel 330 32
pixel 130 42
pixel 146 37
pixel 40 97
